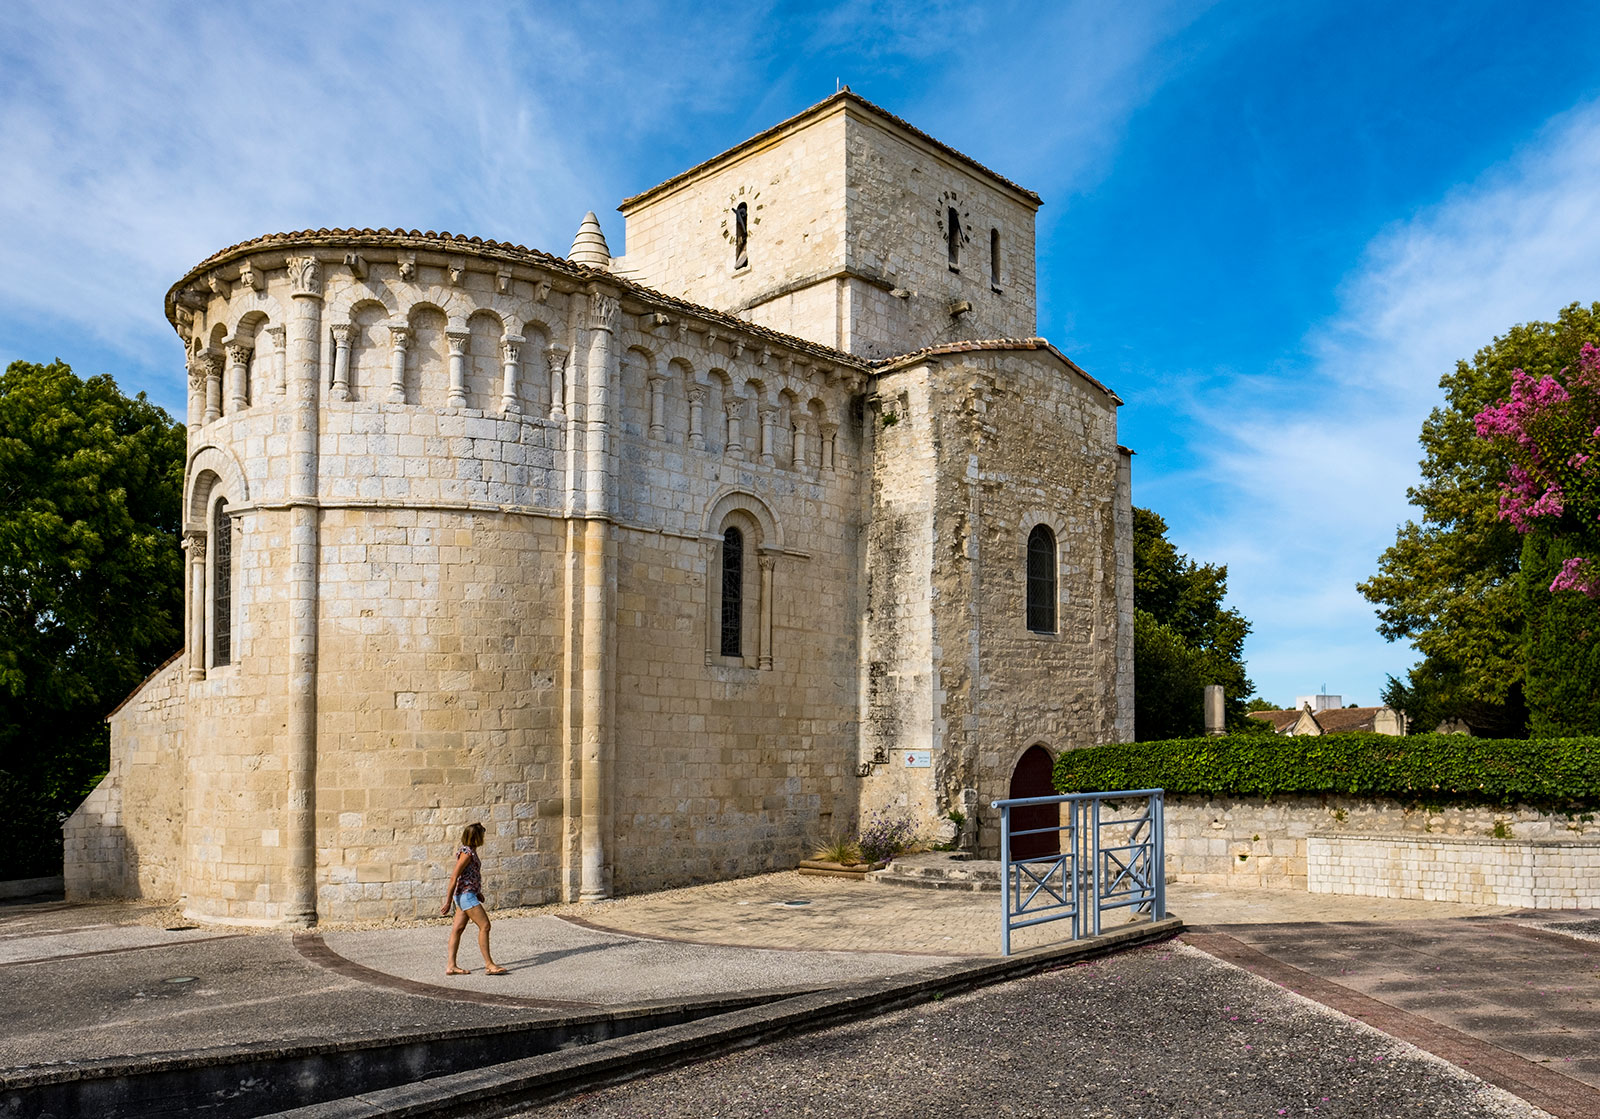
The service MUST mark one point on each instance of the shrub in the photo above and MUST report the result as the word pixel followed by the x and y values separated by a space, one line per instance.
pixel 845 852
pixel 885 835
pixel 1560 773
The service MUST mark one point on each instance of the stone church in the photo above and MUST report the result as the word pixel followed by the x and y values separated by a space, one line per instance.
pixel 665 566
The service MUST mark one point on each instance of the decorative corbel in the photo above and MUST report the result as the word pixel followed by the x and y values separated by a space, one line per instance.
pixel 541 291
pixel 761 358
pixel 193 299
pixel 683 330
pixel 457 269
pixel 656 321
pixel 735 348
pixel 502 280
pixel 357 265
pixel 251 277
pixel 217 284
pixel 408 265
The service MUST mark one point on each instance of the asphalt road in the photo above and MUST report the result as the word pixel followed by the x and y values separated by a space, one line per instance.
pixel 1156 1033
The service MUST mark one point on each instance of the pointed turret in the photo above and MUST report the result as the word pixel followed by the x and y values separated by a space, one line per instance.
pixel 589 246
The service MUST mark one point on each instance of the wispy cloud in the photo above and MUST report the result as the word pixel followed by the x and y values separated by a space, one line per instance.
pixel 1308 466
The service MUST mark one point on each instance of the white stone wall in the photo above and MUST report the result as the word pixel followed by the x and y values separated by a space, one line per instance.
pixel 1537 873
pixel 1263 843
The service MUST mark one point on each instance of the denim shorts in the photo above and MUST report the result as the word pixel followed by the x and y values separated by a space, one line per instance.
pixel 466 899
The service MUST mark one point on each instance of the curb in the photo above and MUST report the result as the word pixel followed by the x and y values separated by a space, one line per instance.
pixel 519 1084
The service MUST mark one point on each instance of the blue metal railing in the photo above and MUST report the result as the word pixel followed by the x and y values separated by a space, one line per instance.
pixel 1110 855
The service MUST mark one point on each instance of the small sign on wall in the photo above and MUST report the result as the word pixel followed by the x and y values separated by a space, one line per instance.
pixel 919 759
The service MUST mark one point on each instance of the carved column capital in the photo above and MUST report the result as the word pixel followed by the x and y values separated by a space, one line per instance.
pixel 511 349
pixel 697 394
pixel 400 337
pixel 305 276
pixel 201 366
pixel 457 340
pixel 557 357
pixel 343 333
pixel 734 408
pixel 603 310
pixel 194 542
pixel 766 561
pixel 239 353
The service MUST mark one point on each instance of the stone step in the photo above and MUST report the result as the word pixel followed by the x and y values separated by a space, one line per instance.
pixel 940 873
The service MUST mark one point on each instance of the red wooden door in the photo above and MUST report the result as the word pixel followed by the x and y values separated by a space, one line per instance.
pixel 1031 778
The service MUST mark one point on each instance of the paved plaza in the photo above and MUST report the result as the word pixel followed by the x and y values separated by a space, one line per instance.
pixel 1512 998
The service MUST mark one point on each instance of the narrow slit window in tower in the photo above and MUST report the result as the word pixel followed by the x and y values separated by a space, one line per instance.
pixel 952 236
pixel 222 586
pixel 994 258
pixel 732 591
pixel 1041 580
pixel 741 236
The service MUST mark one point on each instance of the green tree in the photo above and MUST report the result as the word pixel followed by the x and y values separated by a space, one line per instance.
pixel 1562 633
pixel 1186 639
pixel 1449 583
pixel 91 586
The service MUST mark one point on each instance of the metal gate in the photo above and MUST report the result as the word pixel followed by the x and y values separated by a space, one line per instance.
pixel 1112 856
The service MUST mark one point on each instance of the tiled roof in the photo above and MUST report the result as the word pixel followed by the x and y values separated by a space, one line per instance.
pixel 499 250
pixel 1280 720
pixel 989 344
pixel 1338 720
pixel 844 96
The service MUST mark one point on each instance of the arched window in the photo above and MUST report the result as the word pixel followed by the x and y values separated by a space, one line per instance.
pixel 952 236
pixel 994 258
pixel 741 235
pixel 221 584
pixel 732 591
pixel 1041 580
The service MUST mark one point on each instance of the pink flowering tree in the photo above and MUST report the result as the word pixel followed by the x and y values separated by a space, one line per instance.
pixel 1549 429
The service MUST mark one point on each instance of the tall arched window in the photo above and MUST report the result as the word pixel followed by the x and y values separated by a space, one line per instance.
pixel 952 236
pixel 221 584
pixel 732 591
pixel 1041 580
pixel 994 258
pixel 741 235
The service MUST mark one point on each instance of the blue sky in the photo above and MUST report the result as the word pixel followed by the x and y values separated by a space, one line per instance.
pixel 1271 227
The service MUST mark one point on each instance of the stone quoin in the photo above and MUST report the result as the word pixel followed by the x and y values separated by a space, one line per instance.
pixel 663 566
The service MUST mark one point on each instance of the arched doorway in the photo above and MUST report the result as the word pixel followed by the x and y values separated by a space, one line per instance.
pixel 1031 778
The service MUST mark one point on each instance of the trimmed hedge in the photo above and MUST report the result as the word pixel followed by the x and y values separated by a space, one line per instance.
pixel 1562 773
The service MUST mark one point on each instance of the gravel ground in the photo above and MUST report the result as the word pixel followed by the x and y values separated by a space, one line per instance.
pixel 1160 1032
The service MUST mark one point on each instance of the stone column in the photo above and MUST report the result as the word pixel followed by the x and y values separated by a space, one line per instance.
pixel 658 407
pixel 557 357
pixel 734 447
pixel 458 367
pixel 304 379
pixel 767 414
pixel 213 366
pixel 510 366
pixel 599 590
pixel 697 408
pixel 829 433
pixel 766 561
pixel 276 334
pixel 194 543
pixel 198 375
pixel 399 339
pixel 802 444
pixel 343 334
pixel 238 373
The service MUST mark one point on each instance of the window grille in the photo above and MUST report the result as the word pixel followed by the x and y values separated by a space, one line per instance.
pixel 221 585
pixel 732 591
pixel 1041 580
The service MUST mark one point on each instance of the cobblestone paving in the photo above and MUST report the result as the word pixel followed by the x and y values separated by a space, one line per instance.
pixel 1158 1033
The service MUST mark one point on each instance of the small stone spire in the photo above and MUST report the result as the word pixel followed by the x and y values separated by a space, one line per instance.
pixel 589 246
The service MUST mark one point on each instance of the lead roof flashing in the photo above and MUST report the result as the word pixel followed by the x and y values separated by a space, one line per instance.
pixel 845 97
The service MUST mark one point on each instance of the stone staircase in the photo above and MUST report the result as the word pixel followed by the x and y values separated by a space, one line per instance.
pixel 940 870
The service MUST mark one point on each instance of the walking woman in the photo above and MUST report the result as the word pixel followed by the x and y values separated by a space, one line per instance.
pixel 466 892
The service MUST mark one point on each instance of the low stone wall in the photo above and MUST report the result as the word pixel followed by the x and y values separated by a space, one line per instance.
pixel 1538 873
pixel 1250 841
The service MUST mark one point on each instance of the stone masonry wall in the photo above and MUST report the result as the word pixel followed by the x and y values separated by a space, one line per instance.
pixel 124 840
pixel 1537 873
pixel 1260 843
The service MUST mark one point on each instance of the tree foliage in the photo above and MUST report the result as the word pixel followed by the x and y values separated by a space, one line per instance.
pixel 1183 637
pixel 1562 635
pixel 91 585
pixel 1449 583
